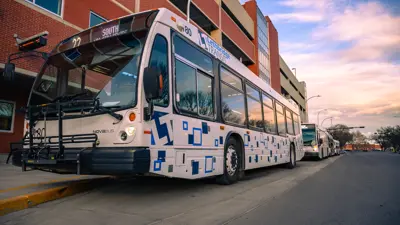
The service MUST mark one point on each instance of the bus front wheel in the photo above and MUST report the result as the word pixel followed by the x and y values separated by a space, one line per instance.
pixel 231 163
pixel 292 158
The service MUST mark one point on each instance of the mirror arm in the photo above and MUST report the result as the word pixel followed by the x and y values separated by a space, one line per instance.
pixel 149 110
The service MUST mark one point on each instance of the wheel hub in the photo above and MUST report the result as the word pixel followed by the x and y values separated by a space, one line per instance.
pixel 231 161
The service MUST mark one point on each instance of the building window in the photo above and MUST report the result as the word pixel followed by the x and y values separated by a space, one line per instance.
pixel 263 50
pixel 53 6
pixel 95 19
pixel 7 112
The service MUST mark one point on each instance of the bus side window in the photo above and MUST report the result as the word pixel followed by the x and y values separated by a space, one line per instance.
pixel 269 116
pixel 159 60
pixel 280 119
pixel 289 121
pixel 232 98
pixel 296 124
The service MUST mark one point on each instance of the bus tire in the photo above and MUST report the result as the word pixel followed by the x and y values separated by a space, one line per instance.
pixel 231 163
pixel 292 158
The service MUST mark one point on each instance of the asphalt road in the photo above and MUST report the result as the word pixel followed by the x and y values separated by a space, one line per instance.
pixel 359 188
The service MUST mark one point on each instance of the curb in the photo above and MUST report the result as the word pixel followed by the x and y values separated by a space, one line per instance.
pixel 32 199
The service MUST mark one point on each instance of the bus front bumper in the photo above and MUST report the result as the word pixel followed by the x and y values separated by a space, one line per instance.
pixel 311 154
pixel 97 161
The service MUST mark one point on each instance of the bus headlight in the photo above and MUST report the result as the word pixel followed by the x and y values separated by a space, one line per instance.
pixel 312 143
pixel 315 148
pixel 130 131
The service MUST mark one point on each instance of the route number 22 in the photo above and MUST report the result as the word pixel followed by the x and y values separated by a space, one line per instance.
pixel 76 42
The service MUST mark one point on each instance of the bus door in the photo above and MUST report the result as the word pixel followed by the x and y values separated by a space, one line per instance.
pixel 160 126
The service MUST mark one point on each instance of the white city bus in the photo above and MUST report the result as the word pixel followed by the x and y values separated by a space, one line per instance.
pixel 150 93
pixel 315 141
pixel 337 147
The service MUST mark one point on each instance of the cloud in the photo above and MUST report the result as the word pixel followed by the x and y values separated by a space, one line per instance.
pixel 351 59
pixel 319 4
pixel 373 32
pixel 298 17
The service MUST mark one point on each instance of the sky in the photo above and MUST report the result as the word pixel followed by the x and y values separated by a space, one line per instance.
pixel 347 51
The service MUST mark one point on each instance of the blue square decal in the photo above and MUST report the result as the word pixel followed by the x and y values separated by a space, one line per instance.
pixel 199 132
pixel 185 125
pixel 206 168
pixel 246 140
pixel 195 167
pixel 157 165
pixel 161 156
pixel 221 140
pixel 204 127
pixel 216 143
pixel 190 139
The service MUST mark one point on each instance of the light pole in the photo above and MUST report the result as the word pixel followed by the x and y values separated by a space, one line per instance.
pixel 315 96
pixel 188 11
pixel 318 115
pixel 295 72
pixel 305 103
pixel 326 119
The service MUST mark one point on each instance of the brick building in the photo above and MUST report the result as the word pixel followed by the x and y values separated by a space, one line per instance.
pixel 61 18
pixel 241 29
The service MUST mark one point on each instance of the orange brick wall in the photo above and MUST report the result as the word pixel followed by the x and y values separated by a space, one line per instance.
pixel 16 18
pixel 251 9
pixel 130 4
pixel 77 11
pixel 210 8
pixel 274 56
pixel 236 35
pixel 17 93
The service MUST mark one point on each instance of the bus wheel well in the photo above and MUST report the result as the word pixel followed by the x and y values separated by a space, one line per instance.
pixel 239 139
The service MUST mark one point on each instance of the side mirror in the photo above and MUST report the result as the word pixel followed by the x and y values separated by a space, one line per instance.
pixel 9 71
pixel 320 141
pixel 152 82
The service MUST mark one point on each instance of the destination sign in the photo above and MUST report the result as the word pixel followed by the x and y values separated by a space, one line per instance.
pixel 109 29
pixel 307 126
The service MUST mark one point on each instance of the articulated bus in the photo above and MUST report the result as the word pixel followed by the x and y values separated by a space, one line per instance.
pixel 315 141
pixel 150 93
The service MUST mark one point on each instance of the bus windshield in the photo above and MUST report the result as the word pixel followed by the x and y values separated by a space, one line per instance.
pixel 100 63
pixel 107 69
pixel 309 135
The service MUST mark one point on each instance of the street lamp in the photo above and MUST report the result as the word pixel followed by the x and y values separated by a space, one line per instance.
pixel 294 72
pixel 318 115
pixel 315 96
pixel 326 119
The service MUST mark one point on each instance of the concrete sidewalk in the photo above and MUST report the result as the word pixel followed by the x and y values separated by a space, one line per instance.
pixel 20 190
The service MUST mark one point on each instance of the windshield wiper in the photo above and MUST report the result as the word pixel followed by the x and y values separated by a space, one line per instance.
pixel 67 98
pixel 101 108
